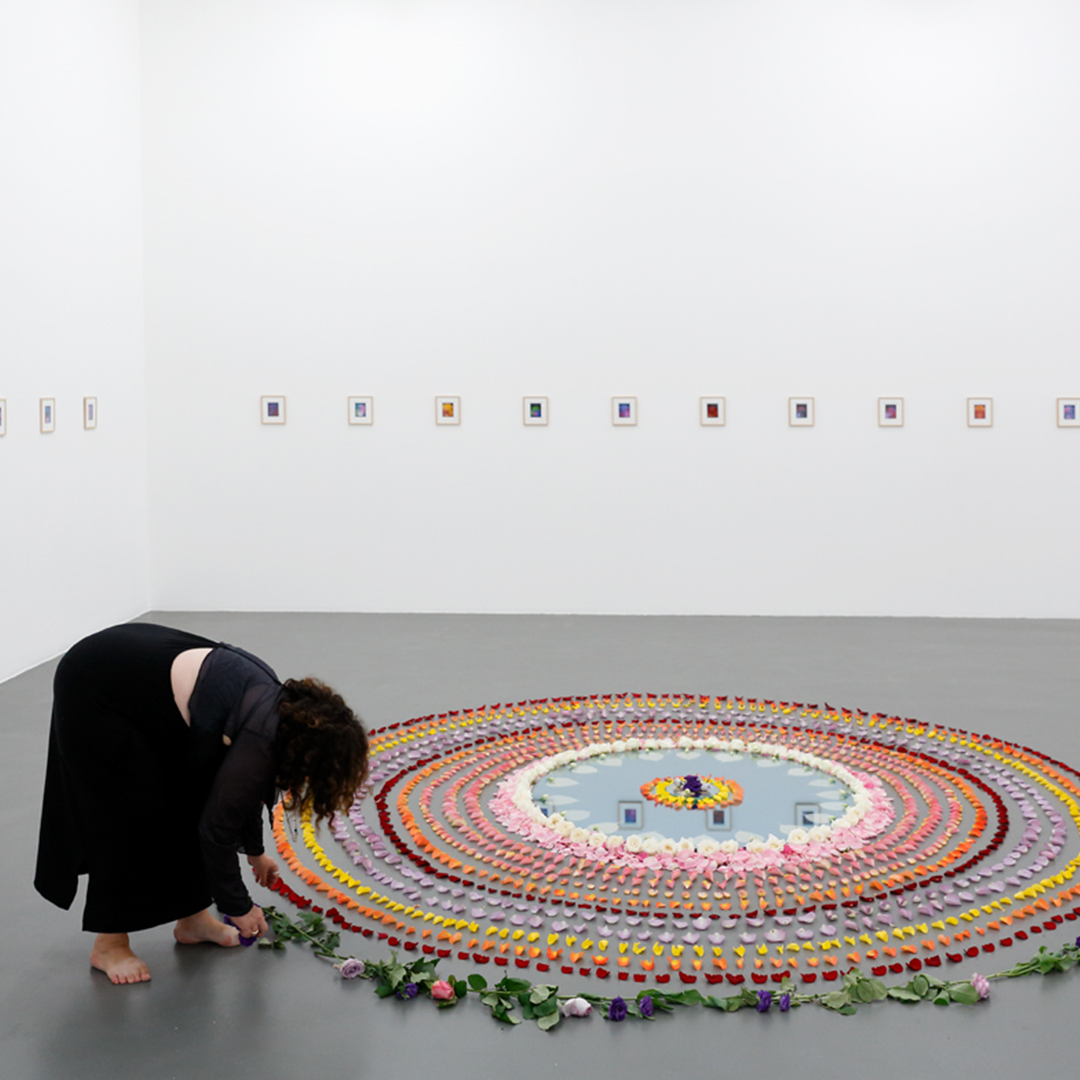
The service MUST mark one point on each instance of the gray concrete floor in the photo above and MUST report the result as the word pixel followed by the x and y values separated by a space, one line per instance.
pixel 209 1013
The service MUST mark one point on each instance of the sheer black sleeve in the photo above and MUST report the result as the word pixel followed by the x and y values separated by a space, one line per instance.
pixel 232 818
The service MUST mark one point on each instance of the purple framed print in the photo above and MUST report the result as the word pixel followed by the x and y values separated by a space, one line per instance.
pixel 1068 412
pixel 890 412
pixel 273 409
pixel 47 415
pixel 624 411
pixel 89 413
pixel 801 412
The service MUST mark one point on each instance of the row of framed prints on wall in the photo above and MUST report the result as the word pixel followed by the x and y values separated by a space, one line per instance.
pixel 713 411
pixel 47 414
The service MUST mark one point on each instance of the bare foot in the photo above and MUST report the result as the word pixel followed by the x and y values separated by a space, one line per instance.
pixel 201 927
pixel 112 954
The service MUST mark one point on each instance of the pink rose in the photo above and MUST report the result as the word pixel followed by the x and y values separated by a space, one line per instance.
pixel 442 991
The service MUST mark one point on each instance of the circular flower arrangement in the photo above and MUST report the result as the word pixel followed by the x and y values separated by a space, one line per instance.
pixel 955 845
pixel 693 792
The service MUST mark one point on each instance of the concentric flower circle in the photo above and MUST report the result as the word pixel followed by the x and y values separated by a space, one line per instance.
pixel 947 835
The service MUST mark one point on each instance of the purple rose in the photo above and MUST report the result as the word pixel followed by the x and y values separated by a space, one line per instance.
pixel 982 985
pixel 785 1002
pixel 408 991
pixel 351 968
pixel 645 1006
pixel 764 1001
pixel 617 1009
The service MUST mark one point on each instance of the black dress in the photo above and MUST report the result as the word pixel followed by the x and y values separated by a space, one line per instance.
pixel 154 811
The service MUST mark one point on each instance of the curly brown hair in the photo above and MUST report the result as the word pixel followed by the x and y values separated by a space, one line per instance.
pixel 322 750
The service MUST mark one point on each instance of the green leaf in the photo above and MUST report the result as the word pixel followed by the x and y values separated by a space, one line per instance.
pixel 847 1010
pixel 548 1020
pixel 541 993
pixel 546 1007
pixel 513 986
pixel 964 994
pixel 527 1011
pixel 942 998
pixel 905 994
pixel 837 1000
pixel 477 982
pixel 878 988
pixel 864 991
pixel 921 985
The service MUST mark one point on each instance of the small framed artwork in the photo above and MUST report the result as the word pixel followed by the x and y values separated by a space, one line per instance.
pixel 631 815
pixel 713 411
pixel 448 410
pixel 890 412
pixel 89 413
pixel 47 412
pixel 718 819
pixel 1068 412
pixel 801 411
pixel 806 814
pixel 980 412
pixel 3 416
pixel 273 410
pixel 624 411
pixel 361 410
pixel 534 411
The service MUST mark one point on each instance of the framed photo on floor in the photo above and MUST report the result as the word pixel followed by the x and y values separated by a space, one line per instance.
pixel 534 411
pixel 3 416
pixel 448 410
pixel 718 819
pixel 272 409
pixel 806 814
pixel 47 415
pixel 1068 412
pixel 980 412
pixel 624 411
pixel 89 413
pixel 631 815
pixel 890 412
pixel 713 411
pixel 361 410
pixel 801 411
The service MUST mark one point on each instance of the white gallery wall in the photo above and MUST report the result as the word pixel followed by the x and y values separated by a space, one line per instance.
pixel 73 539
pixel 586 198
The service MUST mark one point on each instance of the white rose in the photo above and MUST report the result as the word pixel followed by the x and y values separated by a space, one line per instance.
pixel 797 837
pixel 633 744
pixel 669 846
pixel 685 845
pixel 685 743
pixel 613 843
pixel 708 846
pixel 563 828
pixel 579 836
pixel 649 845
pixel 756 846
pixel 820 833
pixel 729 847
pixel 618 746
pixel 596 839
pixel 774 842
pixel 633 843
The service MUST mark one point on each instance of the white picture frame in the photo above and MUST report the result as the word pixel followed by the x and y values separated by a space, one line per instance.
pixel 361 411
pixel 801 412
pixel 713 411
pixel 89 413
pixel 534 411
pixel 1068 412
pixel 3 416
pixel 980 412
pixel 890 412
pixel 272 409
pixel 447 410
pixel 624 411
pixel 47 415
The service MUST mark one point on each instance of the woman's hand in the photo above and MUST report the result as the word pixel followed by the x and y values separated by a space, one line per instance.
pixel 264 868
pixel 251 925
